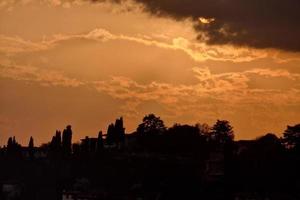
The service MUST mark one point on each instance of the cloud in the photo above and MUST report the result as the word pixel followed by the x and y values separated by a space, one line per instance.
pixel 259 24
pixel 35 74
pixel 274 73
pixel 213 92
pixel 197 51
pixel 16 44
pixel 9 5
pixel 206 20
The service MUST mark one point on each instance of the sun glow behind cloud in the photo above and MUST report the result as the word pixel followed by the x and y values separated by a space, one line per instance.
pixel 204 20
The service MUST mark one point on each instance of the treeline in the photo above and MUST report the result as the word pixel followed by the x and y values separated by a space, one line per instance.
pixel 152 135
pixel 179 162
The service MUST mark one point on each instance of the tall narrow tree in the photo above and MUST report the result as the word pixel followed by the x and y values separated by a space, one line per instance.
pixel 31 148
pixel 67 141
pixel 119 131
pixel 110 134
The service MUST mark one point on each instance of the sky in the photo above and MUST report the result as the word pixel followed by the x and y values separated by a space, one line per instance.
pixel 85 63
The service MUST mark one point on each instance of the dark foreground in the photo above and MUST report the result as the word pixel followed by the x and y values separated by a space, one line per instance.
pixel 124 175
pixel 155 162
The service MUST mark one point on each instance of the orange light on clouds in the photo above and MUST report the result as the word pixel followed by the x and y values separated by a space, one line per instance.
pixel 204 20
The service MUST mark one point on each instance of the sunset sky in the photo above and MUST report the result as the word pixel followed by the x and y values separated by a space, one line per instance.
pixel 85 63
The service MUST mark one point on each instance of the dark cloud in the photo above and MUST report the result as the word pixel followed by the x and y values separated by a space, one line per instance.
pixel 255 23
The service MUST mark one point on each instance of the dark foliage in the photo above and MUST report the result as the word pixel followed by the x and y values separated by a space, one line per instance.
pixel 155 162
pixel 116 132
pixel 151 125
pixel 222 132
pixel 291 137
pixel 67 141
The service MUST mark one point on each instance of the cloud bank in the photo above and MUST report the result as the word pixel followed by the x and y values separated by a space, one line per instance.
pixel 254 23
pixel 228 91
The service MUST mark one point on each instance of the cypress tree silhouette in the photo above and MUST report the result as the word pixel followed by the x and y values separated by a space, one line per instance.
pixel 110 134
pixel 13 148
pixel 67 141
pixel 31 144
pixel 116 132
pixel 14 140
pixel 9 147
pixel 31 148
pixel 55 144
pixel 58 139
pixel 119 132
pixel 9 143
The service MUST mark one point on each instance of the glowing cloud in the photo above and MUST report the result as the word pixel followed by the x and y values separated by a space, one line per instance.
pixel 206 20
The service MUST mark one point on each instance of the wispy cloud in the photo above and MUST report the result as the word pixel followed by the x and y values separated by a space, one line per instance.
pixel 11 4
pixel 17 44
pixel 213 90
pixel 267 72
pixel 38 75
pixel 197 51
pixel 230 88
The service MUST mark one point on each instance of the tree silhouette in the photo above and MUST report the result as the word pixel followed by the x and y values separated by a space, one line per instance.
pixel 291 137
pixel 158 160
pixel 31 148
pixel 116 132
pixel 183 138
pixel 222 132
pixel 55 144
pixel 204 129
pixel 268 145
pixel 204 132
pixel 13 147
pixel 67 141
pixel 110 134
pixel 119 131
pixel 31 144
pixel 14 140
pixel 151 125
pixel 9 143
pixel 100 144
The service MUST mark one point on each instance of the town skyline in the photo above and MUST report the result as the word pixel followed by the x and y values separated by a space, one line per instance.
pixel 77 137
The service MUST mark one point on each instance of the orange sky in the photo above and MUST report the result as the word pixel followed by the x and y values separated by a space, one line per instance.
pixel 73 62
